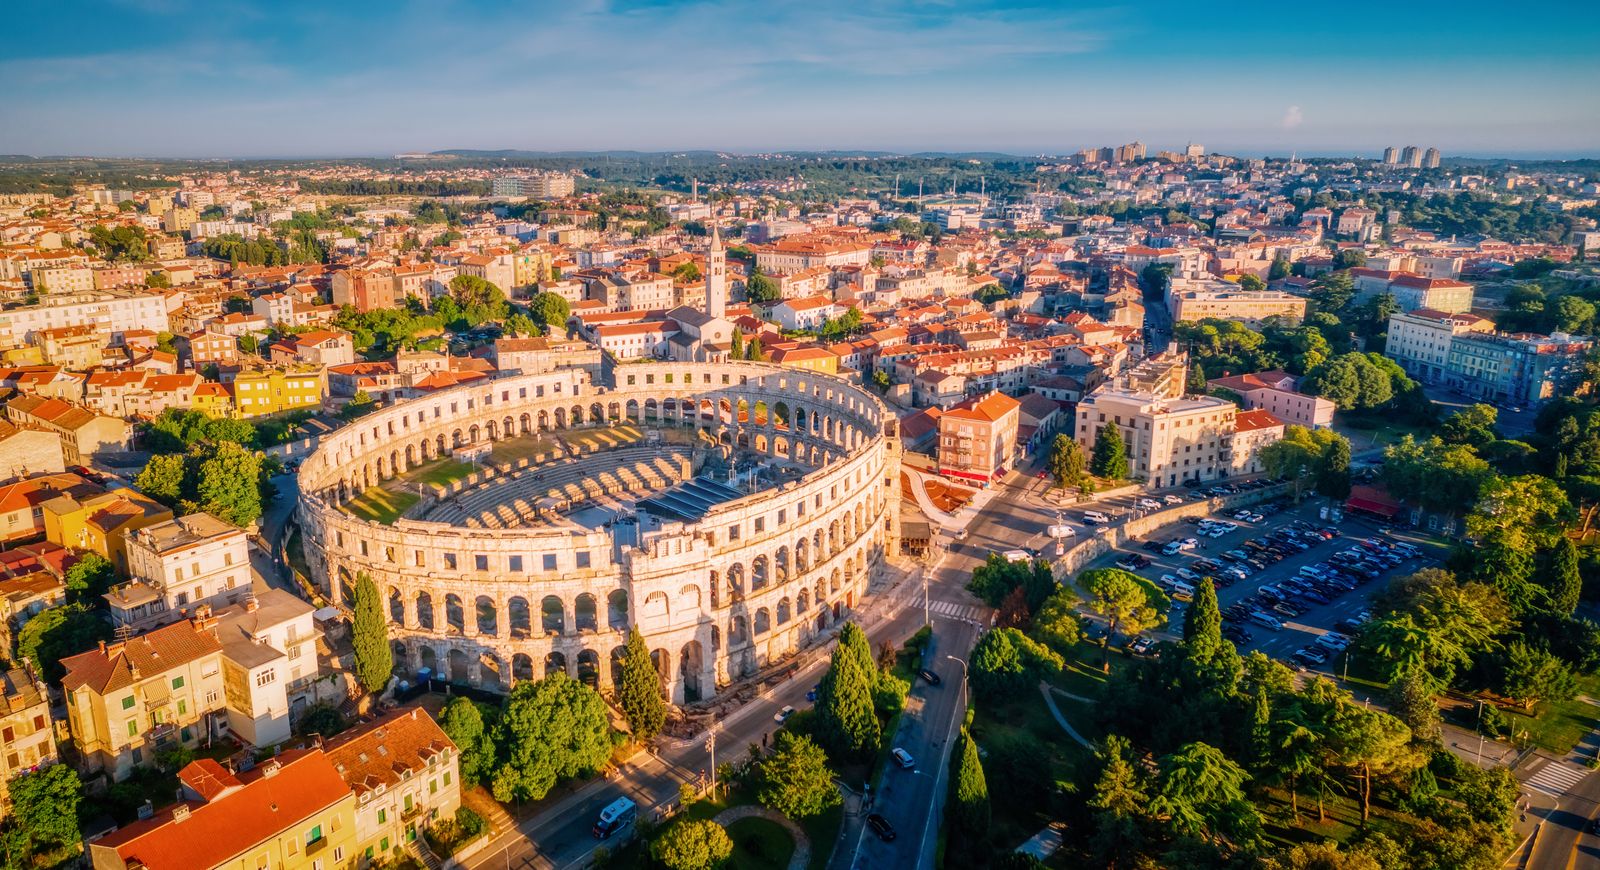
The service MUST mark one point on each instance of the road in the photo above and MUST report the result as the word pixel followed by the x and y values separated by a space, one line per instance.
pixel 1562 842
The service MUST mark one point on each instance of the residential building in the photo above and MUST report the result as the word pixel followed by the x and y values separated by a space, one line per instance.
pixel 1515 370
pixel 534 185
pixel 1197 300
pixel 1278 393
pixel 1419 340
pixel 405 775
pixel 27 738
pixel 269 663
pixel 22 512
pixel 25 451
pixel 84 434
pixel 100 522
pixel 110 313
pixel 1412 291
pixel 291 812
pixel 261 391
pixel 1253 430
pixel 323 347
pixel 809 312
pixel 178 565
pixel 72 347
pixel 978 438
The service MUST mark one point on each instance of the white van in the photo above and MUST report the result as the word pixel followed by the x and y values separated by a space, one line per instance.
pixel 1017 556
pixel 1182 591
pixel 1096 516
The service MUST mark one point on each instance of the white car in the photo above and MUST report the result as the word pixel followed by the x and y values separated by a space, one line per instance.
pixel 1188 544
pixel 1149 504
pixel 783 715
pixel 1191 576
pixel 1173 499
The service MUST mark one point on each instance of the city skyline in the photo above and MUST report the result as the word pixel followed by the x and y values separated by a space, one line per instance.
pixel 170 78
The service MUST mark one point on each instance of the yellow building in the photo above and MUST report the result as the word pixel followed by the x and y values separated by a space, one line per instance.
pixel 27 740
pixel 292 812
pixel 96 522
pixel 529 267
pixel 810 358
pixel 257 392
pixel 404 773
pixel 179 220
pixel 213 400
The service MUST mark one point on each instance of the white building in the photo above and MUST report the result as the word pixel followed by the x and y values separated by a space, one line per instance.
pixel 1420 340
pixel 109 312
pixel 178 564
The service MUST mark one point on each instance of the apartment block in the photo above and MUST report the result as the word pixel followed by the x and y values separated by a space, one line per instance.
pixel 978 438
pixel 1420 340
pixel 178 565
pixel 27 739
pixel 404 773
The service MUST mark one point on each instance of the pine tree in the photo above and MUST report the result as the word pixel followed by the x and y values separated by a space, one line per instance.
pixel 967 812
pixel 738 344
pixel 852 638
pixel 1565 583
pixel 1197 380
pixel 1110 454
pixel 1202 626
pixel 639 693
pixel 847 724
pixel 369 634
pixel 1066 461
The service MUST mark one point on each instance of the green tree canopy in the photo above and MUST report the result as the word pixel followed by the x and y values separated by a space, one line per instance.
pixel 549 730
pixel 229 484
pixel 369 635
pixel 692 844
pixel 463 722
pixel 1006 662
pixel 57 633
pixel 1067 463
pixel 1128 602
pixel 1110 459
pixel 44 811
pixel 639 693
pixel 795 779
pixel 967 810
pixel 847 722
pixel 550 310
pixel 90 577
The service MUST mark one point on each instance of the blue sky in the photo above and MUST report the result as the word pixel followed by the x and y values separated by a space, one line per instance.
pixel 290 78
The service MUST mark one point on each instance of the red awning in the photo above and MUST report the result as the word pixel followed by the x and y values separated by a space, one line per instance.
pixel 1387 510
pixel 965 475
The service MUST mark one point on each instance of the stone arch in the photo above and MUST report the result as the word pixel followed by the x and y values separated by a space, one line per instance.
pixel 428 660
pixel 763 621
pixel 520 616
pixel 738 630
pixel 663 662
pixel 522 667
pixel 833 581
pixel 691 664
pixel 618 656
pixel 759 573
pixel 455 616
pixel 656 606
pixel 561 418
pixel 552 615
pixel 785 612
pixel 589 668
pixel 525 421
pixel 617 610
pixel 802 602
pixel 652 411
pixel 555 661
pixel 489 676
pixel 802 555
pixel 597 414
pixel 488 616
pixel 689 599
pixel 735 582
pixel 347 586
pixel 631 410
pixel 780 561
pixel 425 611
pixel 833 538
pixel 460 667
pixel 584 613
pixel 397 607
pixel 613 412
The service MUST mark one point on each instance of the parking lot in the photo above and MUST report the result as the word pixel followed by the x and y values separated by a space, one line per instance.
pixel 1282 539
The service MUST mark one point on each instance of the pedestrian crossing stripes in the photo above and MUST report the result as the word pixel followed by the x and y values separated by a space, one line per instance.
pixel 1557 778
pixel 969 612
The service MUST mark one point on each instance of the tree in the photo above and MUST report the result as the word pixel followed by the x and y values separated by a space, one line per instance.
pixel 760 289
pixel 162 479
pixel 639 693
pixel 1413 702
pixel 471 291
pixel 795 779
pixel 229 484
pixel 1532 675
pixel 967 811
pixel 1371 743
pixel 1349 258
pixel 1251 283
pixel 1333 473
pixel 321 719
pixel 1279 269
pixel 1472 426
pixel 549 730
pixel 91 576
pixel 1200 791
pixel 737 349
pixel 1563 580
pixel 58 633
pixel 692 844
pixel 1129 603
pixel 1202 625
pixel 1056 623
pixel 520 325
pixel 463 722
pixel 1006 662
pixel 1196 384
pixel 1066 461
pixel 1110 459
pixel 549 310
pixel 359 405
pixel 369 635
pixel 44 810
pixel 157 280
pixel 1333 291
pixel 1119 801
pixel 1351 381
pixel 1440 477
pixel 847 723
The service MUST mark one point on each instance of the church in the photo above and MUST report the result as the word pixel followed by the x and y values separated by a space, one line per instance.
pixel 705 336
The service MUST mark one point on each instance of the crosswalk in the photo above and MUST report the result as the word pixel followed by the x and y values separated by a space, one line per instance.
pixel 1557 778
pixel 967 612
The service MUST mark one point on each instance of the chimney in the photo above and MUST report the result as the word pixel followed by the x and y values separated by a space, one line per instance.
pixel 251 605
pixel 102 647
pixel 270 769
pixel 179 813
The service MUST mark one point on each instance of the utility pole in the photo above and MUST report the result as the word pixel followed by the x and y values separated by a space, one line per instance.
pixel 711 747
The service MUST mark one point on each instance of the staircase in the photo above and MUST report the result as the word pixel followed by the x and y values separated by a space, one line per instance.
pixel 418 850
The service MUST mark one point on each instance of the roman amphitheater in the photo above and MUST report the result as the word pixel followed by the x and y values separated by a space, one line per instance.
pixel 734 512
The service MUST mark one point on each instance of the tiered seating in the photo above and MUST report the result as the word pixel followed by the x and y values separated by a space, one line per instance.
pixel 511 501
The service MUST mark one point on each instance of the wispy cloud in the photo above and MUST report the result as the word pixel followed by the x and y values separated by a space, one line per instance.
pixel 1293 117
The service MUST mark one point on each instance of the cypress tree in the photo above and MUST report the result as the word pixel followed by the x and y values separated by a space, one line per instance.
pixel 738 344
pixel 369 634
pixel 967 811
pixel 1202 626
pixel 1566 584
pixel 1110 459
pixel 846 722
pixel 639 693
pixel 852 638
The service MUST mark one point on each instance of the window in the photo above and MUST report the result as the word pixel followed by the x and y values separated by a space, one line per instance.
pixel 481 562
pixel 549 561
pixel 450 561
pixel 583 558
pixel 177 682
pixel 211 698
pixel 183 707
pixel 516 564
pixel 133 727
pixel 266 677
pixel 338 854
pixel 127 703
pixel 383 816
pixel 447 777
pixel 314 834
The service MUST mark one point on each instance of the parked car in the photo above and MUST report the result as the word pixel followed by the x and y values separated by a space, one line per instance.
pixel 1266 620
pixel 1095 516
pixel 1173 499
pixel 881 827
pixel 903 758
pixel 1148 504
pixel 783 715
pixel 1141 645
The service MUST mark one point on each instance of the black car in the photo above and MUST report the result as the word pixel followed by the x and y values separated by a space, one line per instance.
pixel 930 676
pixel 1153 546
pixel 881 827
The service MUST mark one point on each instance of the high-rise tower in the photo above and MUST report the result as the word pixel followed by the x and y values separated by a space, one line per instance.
pixel 716 275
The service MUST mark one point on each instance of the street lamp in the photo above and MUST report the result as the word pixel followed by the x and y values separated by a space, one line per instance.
pixel 963 664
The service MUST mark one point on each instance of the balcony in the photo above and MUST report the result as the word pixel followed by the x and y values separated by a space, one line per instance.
pixel 316 846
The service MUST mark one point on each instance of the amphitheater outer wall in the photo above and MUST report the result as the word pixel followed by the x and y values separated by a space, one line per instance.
pixel 750 584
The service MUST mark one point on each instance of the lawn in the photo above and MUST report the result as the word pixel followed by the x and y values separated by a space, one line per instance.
pixel 441 472
pixel 1558 726
pixel 1020 723
pixel 381 505
pixel 822 830
pixel 509 450
pixel 1083 674
pixel 759 844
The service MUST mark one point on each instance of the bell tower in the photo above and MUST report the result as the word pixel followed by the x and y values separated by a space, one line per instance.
pixel 716 276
